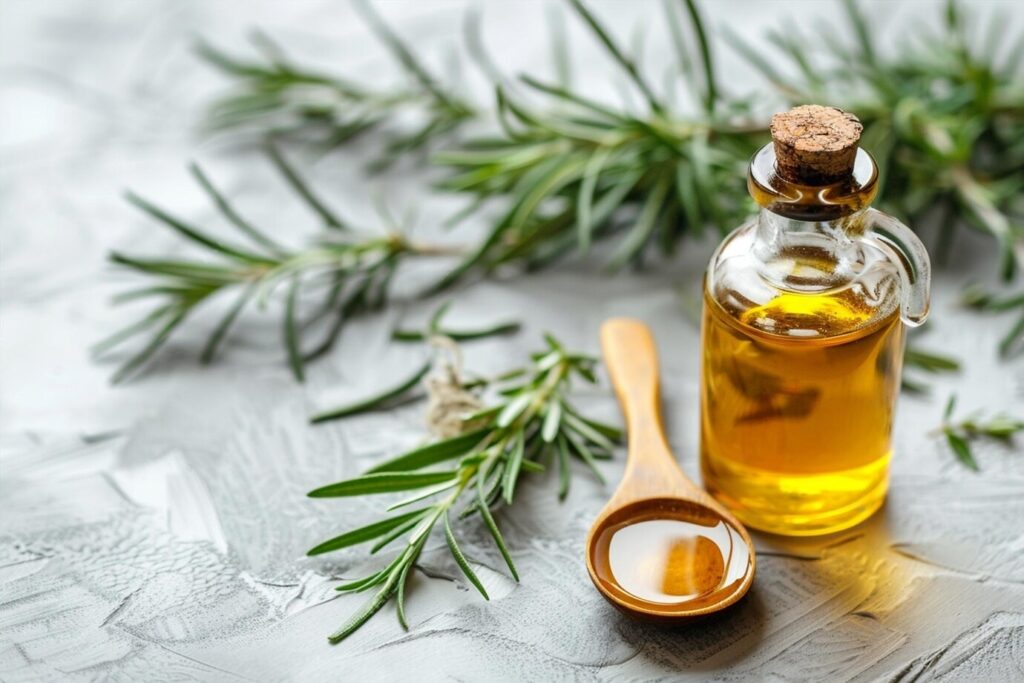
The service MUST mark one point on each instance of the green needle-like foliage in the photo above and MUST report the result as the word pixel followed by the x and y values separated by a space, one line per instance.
pixel 959 434
pixel 531 424
pixel 944 117
pixel 273 95
pixel 944 121
pixel 577 170
pixel 349 272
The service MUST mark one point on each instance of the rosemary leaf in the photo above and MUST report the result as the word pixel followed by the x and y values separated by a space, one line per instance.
pixel 947 412
pixel 291 331
pixel 586 455
pixel 382 482
pixel 930 361
pixel 710 88
pixel 330 219
pixel 366 533
pixel 434 453
pixel 514 409
pixel 368 610
pixel 460 558
pixel 375 401
pixel 398 532
pixel 552 422
pixel 363 584
pixel 219 332
pixel 492 526
pixel 563 467
pixel 229 212
pixel 135 328
pixel 512 467
pixel 400 600
pixel 192 233
pixel 423 494
pixel 625 62
pixel 150 348
pixel 496 330
pixel 962 450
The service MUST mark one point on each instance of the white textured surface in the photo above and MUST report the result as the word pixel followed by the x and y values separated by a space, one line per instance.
pixel 156 531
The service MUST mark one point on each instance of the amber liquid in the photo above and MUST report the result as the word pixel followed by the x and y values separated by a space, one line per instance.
pixel 796 421
pixel 671 555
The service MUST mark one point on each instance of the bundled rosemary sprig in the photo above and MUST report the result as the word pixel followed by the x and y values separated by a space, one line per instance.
pixel 532 425
pixel 273 95
pixel 960 434
pixel 352 270
pixel 944 116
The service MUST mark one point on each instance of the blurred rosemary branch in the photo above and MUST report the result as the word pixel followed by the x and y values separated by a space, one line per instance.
pixel 348 271
pixel 473 472
pixel 580 170
pixel 944 118
pixel 945 122
pixel 271 95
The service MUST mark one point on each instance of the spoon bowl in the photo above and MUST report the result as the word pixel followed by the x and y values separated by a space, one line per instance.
pixel 662 549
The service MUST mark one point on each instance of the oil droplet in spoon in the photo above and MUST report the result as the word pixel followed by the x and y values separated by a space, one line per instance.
pixel 671 556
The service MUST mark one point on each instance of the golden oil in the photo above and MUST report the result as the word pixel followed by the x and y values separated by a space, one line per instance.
pixel 802 335
pixel 795 431
pixel 670 555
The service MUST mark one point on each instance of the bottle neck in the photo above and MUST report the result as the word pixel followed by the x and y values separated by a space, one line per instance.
pixel 812 203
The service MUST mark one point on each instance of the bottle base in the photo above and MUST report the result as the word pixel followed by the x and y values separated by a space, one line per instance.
pixel 798 505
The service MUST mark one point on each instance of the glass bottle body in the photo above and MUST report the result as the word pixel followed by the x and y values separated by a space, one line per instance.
pixel 802 345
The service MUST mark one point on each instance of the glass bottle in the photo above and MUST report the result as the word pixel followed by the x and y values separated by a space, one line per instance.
pixel 802 334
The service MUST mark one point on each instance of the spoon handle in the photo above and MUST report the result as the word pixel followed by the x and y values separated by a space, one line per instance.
pixel 632 362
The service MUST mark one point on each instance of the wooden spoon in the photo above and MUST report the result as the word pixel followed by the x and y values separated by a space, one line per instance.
pixel 661 549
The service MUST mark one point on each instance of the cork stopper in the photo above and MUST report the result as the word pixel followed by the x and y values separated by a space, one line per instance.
pixel 815 145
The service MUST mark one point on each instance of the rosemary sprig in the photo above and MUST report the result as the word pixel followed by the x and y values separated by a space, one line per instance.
pixel 581 170
pixel 273 95
pixel 532 423
pixel 960 434
pixel 353 269
pixel 979 299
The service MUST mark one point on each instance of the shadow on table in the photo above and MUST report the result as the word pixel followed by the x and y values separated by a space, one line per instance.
pixel 715 642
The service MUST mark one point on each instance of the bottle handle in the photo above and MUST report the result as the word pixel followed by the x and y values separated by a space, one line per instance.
pixel 910 256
